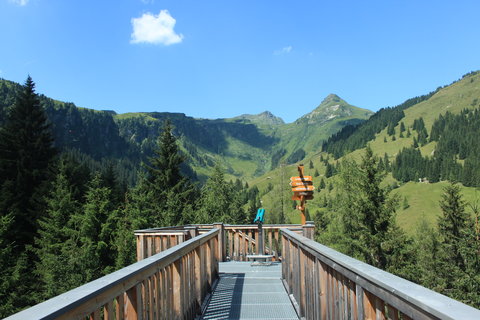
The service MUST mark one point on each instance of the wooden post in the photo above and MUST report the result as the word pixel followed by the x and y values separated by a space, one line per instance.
pixel 301 207
pixel 309 230
pixel 221 252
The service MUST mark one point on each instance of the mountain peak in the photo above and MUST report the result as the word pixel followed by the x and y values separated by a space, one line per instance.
pixel 333 107
pixel 266 117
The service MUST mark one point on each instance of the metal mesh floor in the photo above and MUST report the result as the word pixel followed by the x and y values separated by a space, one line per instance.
pixel 249 292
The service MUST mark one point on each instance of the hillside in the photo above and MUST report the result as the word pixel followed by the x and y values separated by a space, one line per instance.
pixel 383 132
pixel 243 145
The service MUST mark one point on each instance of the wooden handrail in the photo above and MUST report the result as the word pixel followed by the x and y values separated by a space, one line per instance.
pixel 236 242
pixel 327 284
pixel 168 285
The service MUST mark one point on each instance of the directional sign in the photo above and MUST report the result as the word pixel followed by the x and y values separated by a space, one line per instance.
pixel 300 183
pixel 304 188
pixel 299 197
pixel 304 178
pixel 303 193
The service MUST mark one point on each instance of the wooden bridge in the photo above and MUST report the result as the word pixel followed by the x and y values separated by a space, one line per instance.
pixel 202 272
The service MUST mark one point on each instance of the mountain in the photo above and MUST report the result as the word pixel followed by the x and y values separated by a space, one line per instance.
pixel 439 132
pixel 264 118
pixel 305 136
pixel 333 107
pixel 244 145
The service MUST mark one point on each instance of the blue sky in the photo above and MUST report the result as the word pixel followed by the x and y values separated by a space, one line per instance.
pixel 215 59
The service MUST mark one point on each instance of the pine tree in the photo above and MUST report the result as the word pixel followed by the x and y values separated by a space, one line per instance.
pixel 219 202
pixel 322 184
pixel 171 193
pixel 96 224
pixel 26 146
pixel 367 214
pixel 26 153
pixel 56 244
pixel 459 261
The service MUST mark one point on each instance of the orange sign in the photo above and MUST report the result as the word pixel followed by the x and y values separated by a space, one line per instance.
pixel 297 196
pixel 304 178
pixel 300 183
pixel 304 188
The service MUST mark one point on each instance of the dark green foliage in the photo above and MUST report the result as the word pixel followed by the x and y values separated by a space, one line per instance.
pixel 169 191
pixel 310 165
pixel 276 158
pixel 329 170
pixel 322 184
pixel 58 267
pixel 391 129
pixel 455 251
pixel 26 154
pixel 316 173
pixel 296 156
pixel 219 201
pixel 457 138
pixel 351 138
pixel 364 226
pixel 409 165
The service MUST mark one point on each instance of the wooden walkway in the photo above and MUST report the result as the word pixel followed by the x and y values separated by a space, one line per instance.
pixel 250 292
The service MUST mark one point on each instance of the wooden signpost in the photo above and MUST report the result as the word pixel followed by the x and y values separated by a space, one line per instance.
pixel 302 187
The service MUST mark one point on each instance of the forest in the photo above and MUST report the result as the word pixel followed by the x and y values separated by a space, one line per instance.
pixel 64 224
pixel 68 217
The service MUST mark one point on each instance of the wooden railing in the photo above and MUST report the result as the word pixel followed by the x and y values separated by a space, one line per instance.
pixel 326 284
pixel 170 285
pixel 235 241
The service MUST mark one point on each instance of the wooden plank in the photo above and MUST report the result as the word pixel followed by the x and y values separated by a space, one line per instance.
pixel 230 244
pixel 369 305
pixel 120 307
pixel 379 309
pixel 140 247
pixel 108 311
pixel 176 293
pixel 392 313
pixel 323 289
pixel 158 242
pixel 304 178
pixel 151 302
pixel 301 183
pixel 149 246
pixel 236 248
pixel 131 306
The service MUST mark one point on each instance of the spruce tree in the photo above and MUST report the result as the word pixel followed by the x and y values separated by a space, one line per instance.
pixel 172 194
pixel 26 152
pixel 56 245
pixel 367 228
pixel 96 225
pixel 459 261
pixel 219 202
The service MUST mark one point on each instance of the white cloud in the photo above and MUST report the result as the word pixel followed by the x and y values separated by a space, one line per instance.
pixel 156 29
pixel 20 2
pixel 284 50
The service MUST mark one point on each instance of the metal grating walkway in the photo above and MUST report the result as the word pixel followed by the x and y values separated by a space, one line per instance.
pixel 250 292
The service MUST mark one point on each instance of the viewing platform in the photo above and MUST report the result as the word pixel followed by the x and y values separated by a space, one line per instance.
pixel 250 292
pixel 202 272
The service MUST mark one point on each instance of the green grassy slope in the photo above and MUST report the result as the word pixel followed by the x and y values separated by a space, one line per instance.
pixel 423 198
